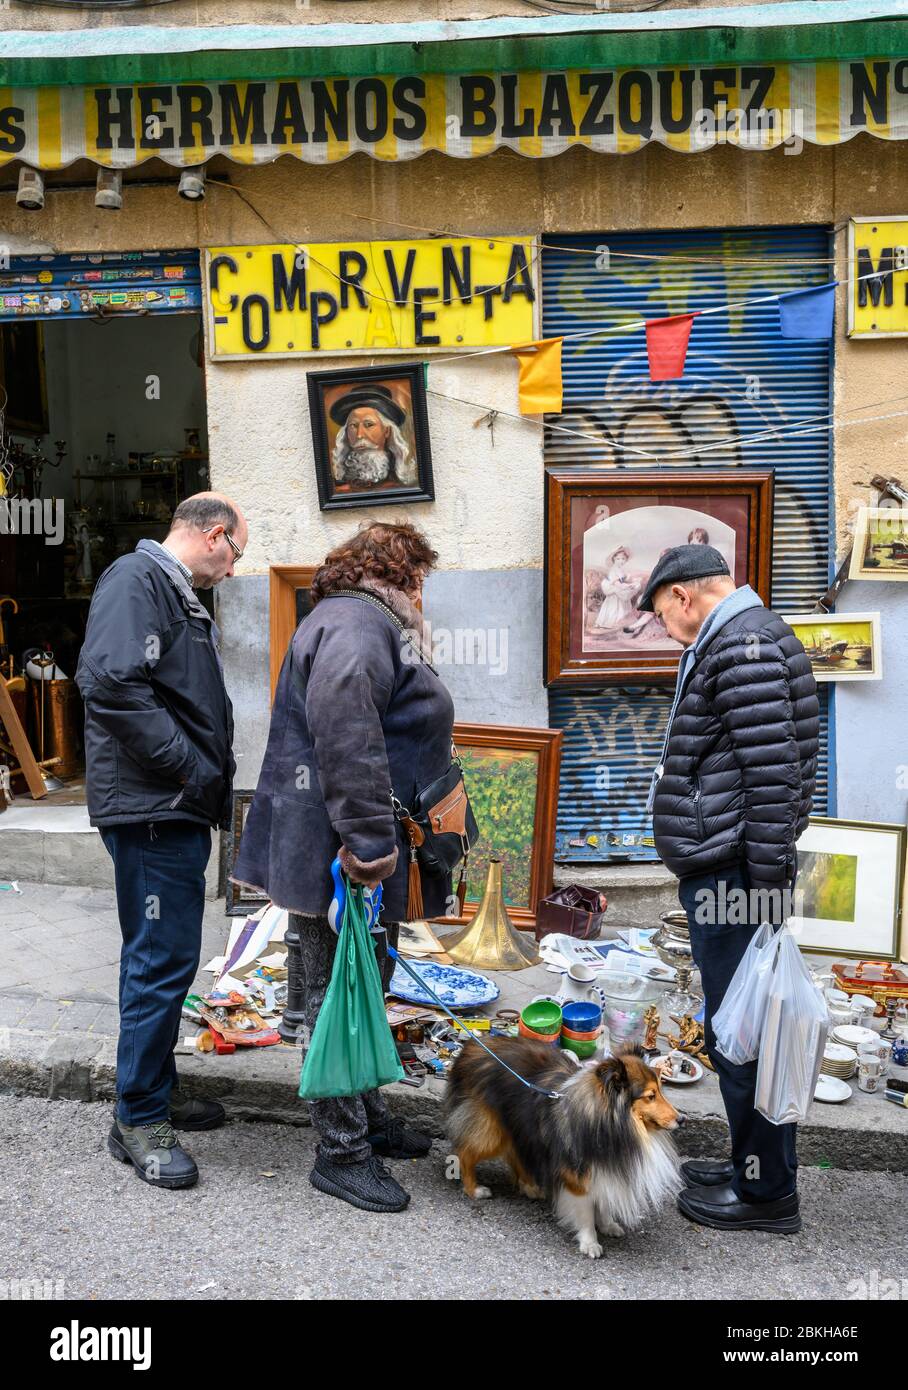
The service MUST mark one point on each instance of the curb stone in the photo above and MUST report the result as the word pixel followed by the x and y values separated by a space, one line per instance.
pixel 76 1066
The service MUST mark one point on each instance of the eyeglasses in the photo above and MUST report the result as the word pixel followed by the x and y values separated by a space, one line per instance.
pixel 237 553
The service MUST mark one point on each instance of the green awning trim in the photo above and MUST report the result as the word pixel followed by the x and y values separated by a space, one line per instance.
pixel 853 40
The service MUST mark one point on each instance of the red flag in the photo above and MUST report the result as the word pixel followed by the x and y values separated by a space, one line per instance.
pixel 666 346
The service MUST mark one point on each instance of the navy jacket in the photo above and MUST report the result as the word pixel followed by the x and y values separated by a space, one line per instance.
pixel 158 720
pixel 356 712
pixel 741 760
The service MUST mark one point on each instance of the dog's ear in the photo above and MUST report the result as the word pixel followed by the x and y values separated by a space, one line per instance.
pixel 633 1050
pixel 612 1075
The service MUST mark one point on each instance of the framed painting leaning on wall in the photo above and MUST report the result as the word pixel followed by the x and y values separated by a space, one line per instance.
pixel 849 888
pixel 511 777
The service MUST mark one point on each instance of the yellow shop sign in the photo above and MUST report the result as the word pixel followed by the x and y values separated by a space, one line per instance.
pixel 878 307
pixel 331 298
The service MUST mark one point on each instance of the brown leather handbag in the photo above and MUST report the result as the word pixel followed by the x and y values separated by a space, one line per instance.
pixel 442 830
pixel 574 911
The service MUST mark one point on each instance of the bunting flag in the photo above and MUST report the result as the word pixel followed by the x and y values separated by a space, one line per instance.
pixel 540 387
pixel 666 346
pixel 808 313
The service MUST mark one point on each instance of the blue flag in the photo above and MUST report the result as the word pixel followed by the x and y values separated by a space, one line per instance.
pixel 808 313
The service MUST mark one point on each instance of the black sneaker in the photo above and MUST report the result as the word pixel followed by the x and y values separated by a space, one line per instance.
pixel 366 1185
pixel 155 1153
pixel 187 1112
pixel 397 1141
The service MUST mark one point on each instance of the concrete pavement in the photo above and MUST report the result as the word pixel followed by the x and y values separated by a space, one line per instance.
pixel 254 1228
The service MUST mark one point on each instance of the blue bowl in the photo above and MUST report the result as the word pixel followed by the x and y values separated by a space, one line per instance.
pixel 581 1017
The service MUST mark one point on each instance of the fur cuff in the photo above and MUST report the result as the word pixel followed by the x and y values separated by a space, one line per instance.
pixel 366 871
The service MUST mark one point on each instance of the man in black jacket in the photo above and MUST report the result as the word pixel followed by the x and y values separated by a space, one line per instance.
pixel 159 769
pixel 730 798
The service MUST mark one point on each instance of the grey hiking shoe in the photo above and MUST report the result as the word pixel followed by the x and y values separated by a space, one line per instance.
pixel 186 1112
pixel 368 1185
pixel 155 1153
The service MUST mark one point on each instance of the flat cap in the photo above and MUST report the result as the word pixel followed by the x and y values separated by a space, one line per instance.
pixel 678 565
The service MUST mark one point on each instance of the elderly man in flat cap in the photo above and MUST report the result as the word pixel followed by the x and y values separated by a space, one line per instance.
pixel 370 449
pixel 730 797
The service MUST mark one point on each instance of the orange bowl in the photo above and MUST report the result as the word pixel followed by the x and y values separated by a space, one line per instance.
pixel 524 1032
pixel 580 1037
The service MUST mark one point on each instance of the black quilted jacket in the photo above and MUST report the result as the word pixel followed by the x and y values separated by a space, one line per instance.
pixel 741 759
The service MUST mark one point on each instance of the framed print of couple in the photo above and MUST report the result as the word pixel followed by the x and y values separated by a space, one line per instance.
pixel 605 532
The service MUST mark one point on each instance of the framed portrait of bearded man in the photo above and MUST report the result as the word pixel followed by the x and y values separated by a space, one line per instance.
pixel 370 429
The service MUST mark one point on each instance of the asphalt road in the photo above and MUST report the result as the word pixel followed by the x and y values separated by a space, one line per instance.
pixel 71 1213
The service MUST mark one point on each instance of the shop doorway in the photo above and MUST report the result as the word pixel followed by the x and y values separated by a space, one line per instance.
pixel 103 432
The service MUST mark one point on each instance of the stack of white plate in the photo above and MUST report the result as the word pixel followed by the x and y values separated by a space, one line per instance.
pixel 852 1035
pixel 839 1060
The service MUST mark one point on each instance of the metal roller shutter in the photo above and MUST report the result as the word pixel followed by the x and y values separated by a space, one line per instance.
pixel 743 385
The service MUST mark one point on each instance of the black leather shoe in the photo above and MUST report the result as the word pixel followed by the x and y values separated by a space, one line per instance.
pixel 367 1185
pixel 155 1153
pixel 186 1112
pixel 721 1207
pixel 706 1172
pixel 397 1141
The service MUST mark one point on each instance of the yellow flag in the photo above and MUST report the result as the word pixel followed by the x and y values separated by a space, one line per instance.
pixel 540 376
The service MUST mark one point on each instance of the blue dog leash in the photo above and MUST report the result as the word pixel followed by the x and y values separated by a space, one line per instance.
pixel 395 955
pixel 372 903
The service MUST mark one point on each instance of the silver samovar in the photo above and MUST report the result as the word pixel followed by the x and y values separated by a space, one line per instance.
pixel 672 945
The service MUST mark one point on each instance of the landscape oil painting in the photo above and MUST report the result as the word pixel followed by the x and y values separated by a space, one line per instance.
pixel 841 646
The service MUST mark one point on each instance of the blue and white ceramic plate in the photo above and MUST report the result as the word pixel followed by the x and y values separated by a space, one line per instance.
pixel 456 988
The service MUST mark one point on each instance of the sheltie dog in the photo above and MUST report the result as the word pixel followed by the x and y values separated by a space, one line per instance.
pixel 600 1151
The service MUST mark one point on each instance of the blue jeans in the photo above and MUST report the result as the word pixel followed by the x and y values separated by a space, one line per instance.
pixel 159 870
pixel 718 949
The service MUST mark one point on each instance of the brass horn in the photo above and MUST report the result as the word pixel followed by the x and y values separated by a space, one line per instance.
pixel 491 941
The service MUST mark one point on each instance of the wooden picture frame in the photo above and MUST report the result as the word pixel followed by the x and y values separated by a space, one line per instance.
pixel 840 646
pixel 518 746
pixel 287 587
pixel 389 404
pixel 852 874
pixel 240 902
pixel 605 530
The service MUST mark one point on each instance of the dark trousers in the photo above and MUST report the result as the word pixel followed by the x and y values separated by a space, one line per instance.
pixel 159 870
pixel 764 1154
pixel 343 1122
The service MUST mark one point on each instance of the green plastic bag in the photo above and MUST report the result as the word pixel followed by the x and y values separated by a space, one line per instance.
pixel 352 1049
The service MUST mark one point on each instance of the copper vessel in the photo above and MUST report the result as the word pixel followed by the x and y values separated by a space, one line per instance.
pixel 60 733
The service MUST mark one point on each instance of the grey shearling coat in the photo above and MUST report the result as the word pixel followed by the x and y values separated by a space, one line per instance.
pixel 356 711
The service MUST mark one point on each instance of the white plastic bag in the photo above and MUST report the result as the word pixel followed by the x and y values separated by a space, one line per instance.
pixel 738 1022
pixel 793 1039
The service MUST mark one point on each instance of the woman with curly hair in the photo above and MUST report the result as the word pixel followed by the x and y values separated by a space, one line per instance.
pixel 359 709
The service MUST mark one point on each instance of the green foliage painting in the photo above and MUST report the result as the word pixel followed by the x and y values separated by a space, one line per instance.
pixel 829 885
pixel 501 784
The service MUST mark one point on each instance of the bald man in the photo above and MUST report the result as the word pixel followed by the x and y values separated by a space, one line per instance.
pixel 159 772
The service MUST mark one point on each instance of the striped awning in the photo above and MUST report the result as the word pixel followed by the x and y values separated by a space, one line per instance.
pixel 755 77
